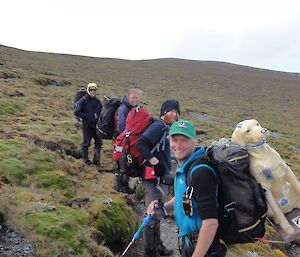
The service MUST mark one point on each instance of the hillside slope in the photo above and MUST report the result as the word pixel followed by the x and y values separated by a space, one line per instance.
pixel 67 209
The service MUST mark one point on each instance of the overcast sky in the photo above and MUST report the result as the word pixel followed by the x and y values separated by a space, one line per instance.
pixel 259 33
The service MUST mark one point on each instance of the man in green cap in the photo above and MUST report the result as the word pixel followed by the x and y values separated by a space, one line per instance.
pixel 195 202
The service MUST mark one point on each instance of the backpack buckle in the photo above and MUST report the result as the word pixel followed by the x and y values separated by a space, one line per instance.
pixel 189 192
pixel 230 207
pixel 129 158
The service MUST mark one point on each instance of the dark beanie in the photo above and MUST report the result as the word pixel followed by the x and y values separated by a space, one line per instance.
pixel 169 105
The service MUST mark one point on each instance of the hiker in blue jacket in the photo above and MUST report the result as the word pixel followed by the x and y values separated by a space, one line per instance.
pixel 132 99
pixel 195 206
pixel 154 146
pixel 88 109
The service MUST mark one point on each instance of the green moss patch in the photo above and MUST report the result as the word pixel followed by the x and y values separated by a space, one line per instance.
pixel 19 160
pixel 56 180
pixel 13 167
pixel 10 146
pixel 63 225
pixel 117 222
pixel 11 107
pixel 44 160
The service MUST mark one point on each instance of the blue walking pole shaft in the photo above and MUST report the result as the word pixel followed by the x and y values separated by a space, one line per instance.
pixel 137 234
pixel 145 223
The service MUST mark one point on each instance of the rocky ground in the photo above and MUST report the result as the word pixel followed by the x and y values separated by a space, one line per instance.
pixel 13 245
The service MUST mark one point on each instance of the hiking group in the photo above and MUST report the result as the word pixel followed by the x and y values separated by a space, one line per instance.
pixel 143 147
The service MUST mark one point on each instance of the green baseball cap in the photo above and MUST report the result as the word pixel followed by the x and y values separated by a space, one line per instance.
pixel 183 127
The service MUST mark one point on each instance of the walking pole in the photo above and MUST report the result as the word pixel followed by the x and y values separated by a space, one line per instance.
pixel 137 234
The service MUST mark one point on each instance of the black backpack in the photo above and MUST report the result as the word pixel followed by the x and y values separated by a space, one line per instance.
pixel 77 97
pixel 242 203
pixel 106 122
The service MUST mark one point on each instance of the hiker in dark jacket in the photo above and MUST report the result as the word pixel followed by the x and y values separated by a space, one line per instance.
pixel 195 203
pixel 88 109
pixel 154 146
pixel 132 99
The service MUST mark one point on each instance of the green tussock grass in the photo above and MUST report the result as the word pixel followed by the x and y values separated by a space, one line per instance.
pixel 20 161
pixel 64 224
pixel 10 147
pixel 13 167
pixel 11 107
pixel 44 160
pixel 116 223
pixel 56 181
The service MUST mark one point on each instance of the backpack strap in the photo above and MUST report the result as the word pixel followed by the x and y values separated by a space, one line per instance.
pixel 194 165
pixel 199 162
pixel 161 142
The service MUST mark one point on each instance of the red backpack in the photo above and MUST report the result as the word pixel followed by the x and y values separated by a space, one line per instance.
pixel 125 152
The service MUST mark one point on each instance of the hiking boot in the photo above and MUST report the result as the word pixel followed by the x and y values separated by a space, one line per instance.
pixel 150 244
pixel 125 189
pixel 121 184
pixel 128 190
pixel 96 159
pixel 98 164
pixel 118 181
pixel 151 253
pixel 164 251
pixel 88 162
pixel 85 156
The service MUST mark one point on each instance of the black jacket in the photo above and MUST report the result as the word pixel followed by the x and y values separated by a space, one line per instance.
pixel 88 109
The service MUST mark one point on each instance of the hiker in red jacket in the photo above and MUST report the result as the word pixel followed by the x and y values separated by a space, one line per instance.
pixel 129 101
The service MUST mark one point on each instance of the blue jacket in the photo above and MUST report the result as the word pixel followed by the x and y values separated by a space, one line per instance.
pixel 88 110
pixel 121 114
pixel 187 225
pixel 155 134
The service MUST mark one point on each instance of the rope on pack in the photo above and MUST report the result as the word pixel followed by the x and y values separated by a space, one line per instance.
pixel 249 146
pixel 267 241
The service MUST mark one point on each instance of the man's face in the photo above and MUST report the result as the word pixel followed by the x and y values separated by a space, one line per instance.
pixel 170 117
pixel 134 98
pixel 182 147
pixel 92 91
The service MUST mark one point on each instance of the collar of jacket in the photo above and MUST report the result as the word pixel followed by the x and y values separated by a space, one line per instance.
pixel 126 102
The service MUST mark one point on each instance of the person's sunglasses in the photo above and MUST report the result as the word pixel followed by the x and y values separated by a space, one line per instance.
pixel 93 89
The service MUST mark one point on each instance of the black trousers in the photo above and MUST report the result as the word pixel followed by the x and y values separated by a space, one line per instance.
pixel 89 133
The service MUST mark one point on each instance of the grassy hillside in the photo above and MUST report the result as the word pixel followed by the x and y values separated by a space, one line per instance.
pixel 67 209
